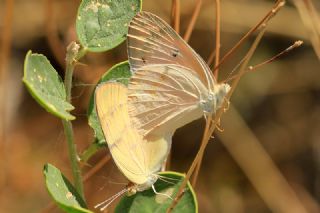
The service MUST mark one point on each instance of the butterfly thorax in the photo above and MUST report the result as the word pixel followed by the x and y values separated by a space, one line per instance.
pixel 214 99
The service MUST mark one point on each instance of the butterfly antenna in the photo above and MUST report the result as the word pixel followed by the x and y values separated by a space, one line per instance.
pixel 164 180
pixel 117 183
pixel 162 194
pixel 168 178
pixel 254 68
pixel 104 204
pixel 230 76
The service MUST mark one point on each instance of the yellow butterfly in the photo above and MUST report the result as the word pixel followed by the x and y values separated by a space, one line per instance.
pixel 138 159
pixel 171 85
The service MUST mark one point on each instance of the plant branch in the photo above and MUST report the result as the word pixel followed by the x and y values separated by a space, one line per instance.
pixel 265 19
pixel 217 51
pixel 211 127
pixel 191 169
pixel 193 20
pixel 217 57
pixel 310 19
pixel 242 71
pixel 211 57
pixel 175 15
pixel 72 52
pixel 255 67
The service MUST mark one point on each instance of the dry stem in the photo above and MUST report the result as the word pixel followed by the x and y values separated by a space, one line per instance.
pixel 208 133
pixel 273 58
pixel 311 21
pixel 193 20
pixel 217 58
pixel 175 15
pixel 265 19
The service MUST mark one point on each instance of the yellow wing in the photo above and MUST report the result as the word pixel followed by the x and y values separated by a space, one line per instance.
pixel 137 158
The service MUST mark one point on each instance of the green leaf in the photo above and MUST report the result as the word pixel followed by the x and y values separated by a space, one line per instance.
pixel 103 24
pixel 120 73
pixel 62 191
pixel 148 202
pixel 46 86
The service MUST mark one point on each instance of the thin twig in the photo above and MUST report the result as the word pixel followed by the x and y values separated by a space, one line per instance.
pixel 217 57
pixel 311 20
pixel 55 44
pixel 211 57
pixel 191 169
pixel 175 15
pixel 255 67
pixel 295 45
pixel 208 133
pixel 269 15
pixel 96 167
pixel 274 10
pixel 193 20
pixel 72 51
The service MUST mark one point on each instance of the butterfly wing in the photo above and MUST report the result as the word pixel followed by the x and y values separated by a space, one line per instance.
pixel 152 41
pixel 136 158
pixel 162 98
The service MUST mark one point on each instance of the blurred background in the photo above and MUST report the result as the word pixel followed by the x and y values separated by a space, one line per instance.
pixel 267 159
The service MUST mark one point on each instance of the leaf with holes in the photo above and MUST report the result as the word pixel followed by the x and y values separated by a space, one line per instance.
pixel 62 191
pixel 46 86
pixel 147 201
pixel 103 24
pixel 120 73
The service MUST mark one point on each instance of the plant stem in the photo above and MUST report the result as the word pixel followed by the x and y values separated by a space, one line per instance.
pixel 76 172
pixel 175 15
pixel 72 51
pixel 217 51
pixel 265 19
pixel 193 20
pixel 211 127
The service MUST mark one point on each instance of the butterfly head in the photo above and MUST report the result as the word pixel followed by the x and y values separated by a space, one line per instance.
pixel 215 98
pixel 221 90
pixel 146 185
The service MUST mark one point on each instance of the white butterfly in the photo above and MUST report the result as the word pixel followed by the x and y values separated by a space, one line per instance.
pixel 171 85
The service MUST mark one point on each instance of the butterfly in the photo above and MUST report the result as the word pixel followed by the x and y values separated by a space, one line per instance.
pixel 171 85
pixel 137 158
